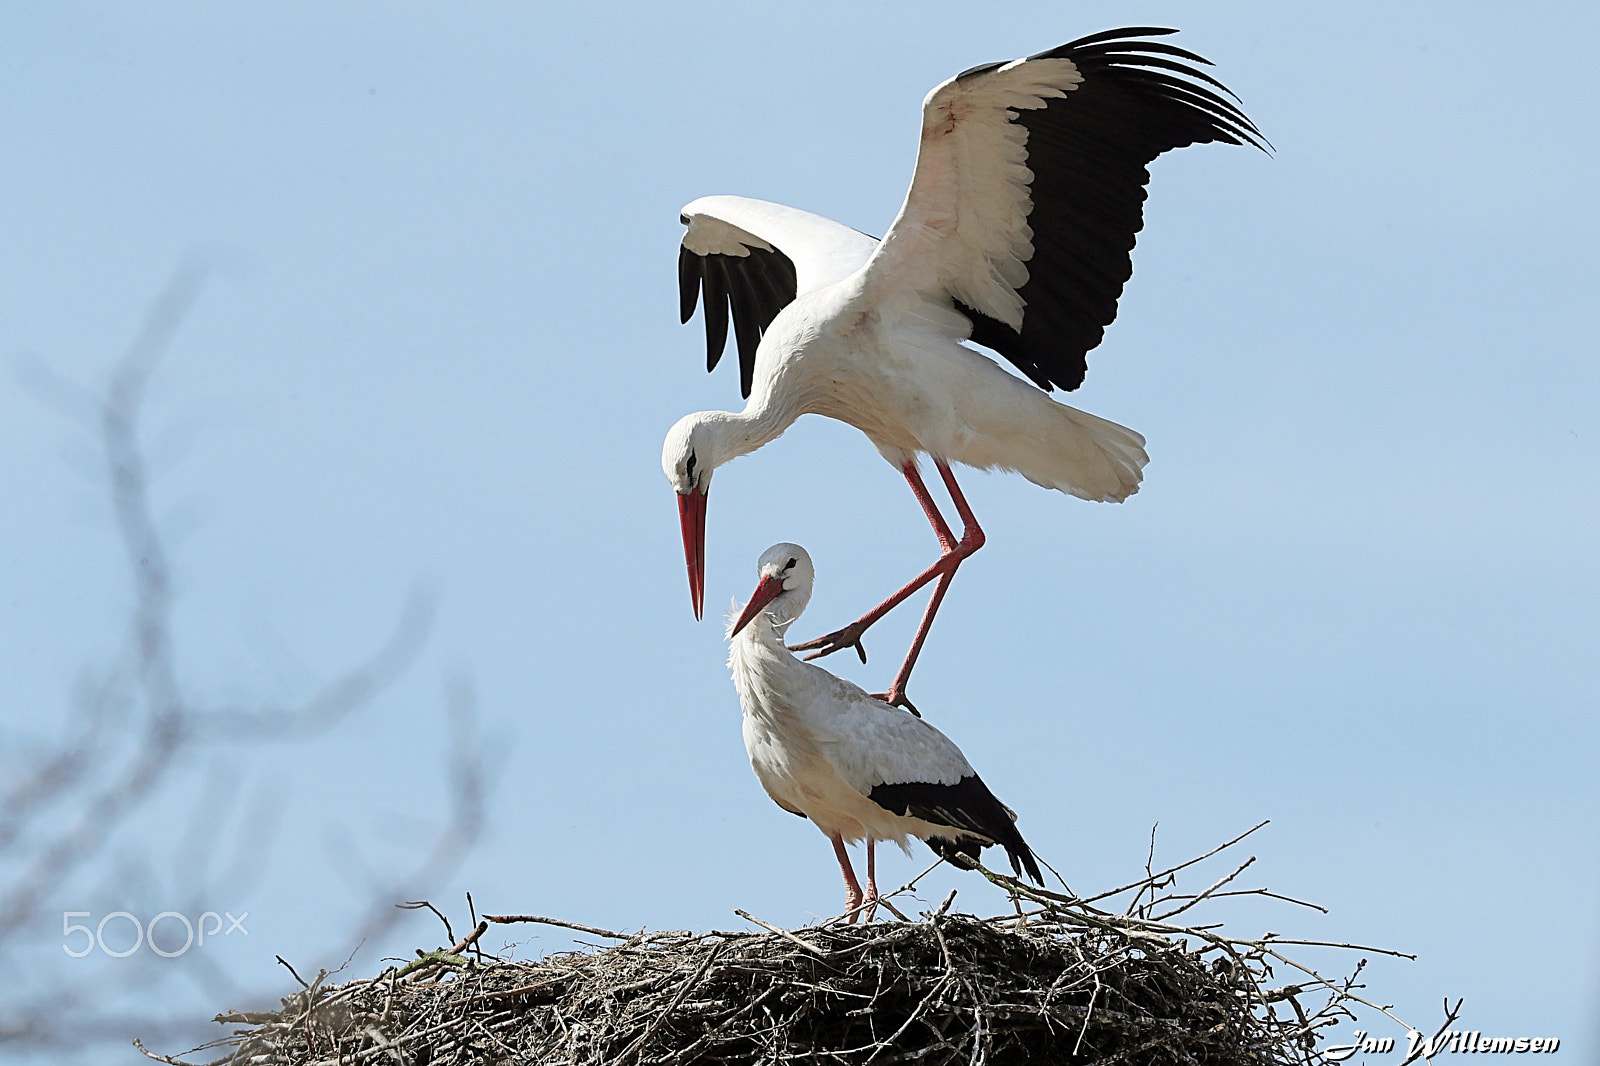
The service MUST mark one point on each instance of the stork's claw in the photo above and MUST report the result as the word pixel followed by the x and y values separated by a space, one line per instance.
pixel 848 637
pixel 897 699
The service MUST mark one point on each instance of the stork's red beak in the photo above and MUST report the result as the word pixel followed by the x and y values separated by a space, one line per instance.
pixel 764 594
pixel 692 516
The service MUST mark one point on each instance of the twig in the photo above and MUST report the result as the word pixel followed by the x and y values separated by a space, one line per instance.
pixel 415 905
pixel 477 948
pixel 284 963
pixel 1450 1016
pixel 1218 884
pixel 747 916
pixel 430 961
pixel 508 919
pixel 135 727
pixel 177 1062
pixel 892 909
pixel 471 938
pixel 1255 892
pixel 1175 869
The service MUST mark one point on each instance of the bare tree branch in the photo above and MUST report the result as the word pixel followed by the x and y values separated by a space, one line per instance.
pixel 132 727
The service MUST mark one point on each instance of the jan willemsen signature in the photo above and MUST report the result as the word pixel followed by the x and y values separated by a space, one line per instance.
pixel 1448 1041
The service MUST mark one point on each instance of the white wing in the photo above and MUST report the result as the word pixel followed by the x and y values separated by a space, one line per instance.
pixel 870 743
pixel 823 251
pixel 964 226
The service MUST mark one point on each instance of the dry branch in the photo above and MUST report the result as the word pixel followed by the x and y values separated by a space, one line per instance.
pixel 68 805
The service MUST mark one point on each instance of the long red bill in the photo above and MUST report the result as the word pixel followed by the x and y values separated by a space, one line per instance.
pixel 764 594
pixel 692 516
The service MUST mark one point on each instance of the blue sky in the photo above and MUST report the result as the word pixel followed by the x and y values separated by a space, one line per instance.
pixel 438 348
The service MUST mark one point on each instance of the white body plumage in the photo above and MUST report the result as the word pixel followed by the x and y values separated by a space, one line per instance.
pixel 819 744
pixel 860 769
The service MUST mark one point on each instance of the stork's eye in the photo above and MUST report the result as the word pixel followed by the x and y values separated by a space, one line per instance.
pixel 791 565
pixel 689 466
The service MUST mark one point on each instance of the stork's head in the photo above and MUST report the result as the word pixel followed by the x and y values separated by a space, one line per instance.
pixel 784 590
pixel 694 448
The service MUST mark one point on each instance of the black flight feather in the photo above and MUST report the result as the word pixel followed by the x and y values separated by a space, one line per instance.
pixel 753 287
pixel 967 805
pixel 1089 152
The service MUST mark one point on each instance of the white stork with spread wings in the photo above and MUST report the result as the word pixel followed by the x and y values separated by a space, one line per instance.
pixel 1015 235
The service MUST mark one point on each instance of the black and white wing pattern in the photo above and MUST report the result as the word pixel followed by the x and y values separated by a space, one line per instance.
pixel 1029 189
pixel 910 768
pixel 967 805
pixel 752 258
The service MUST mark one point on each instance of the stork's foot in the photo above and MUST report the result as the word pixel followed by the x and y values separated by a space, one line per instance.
pixel 848 637
pixel 852 905
pixel 861 907
pixel 896 697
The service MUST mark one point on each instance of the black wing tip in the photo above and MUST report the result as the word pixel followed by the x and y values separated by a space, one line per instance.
pixel 688 284
pixel 1022 860
pixel 1155 61
pixel 1121 33
pixel 1099 42
pixel 966 854
pixel 745 291
pixel 1128 49
pixel 1059 51
pixel 981 68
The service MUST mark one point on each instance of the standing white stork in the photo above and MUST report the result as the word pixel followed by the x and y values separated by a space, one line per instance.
pixel 857 767
pixel 1015 235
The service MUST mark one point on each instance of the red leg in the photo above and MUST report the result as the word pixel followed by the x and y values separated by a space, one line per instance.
pixel 941 529
pixel 852 887
pixel 972 538
pixel 850 635
pixel 871 898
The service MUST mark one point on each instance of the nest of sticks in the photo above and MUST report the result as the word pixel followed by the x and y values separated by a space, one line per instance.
pixel 1058 980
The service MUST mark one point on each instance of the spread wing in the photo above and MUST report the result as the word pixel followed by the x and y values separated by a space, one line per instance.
pixel 752 258
pixel 1029 190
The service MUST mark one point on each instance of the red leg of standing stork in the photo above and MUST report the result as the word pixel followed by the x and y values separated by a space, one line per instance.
pixel 951 557
pixel 871 899
pixel 856 902
pixel 852 887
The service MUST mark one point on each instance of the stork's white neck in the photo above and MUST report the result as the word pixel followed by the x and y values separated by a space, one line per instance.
pixel 766 629
pixel 762 663
pixel 736 433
